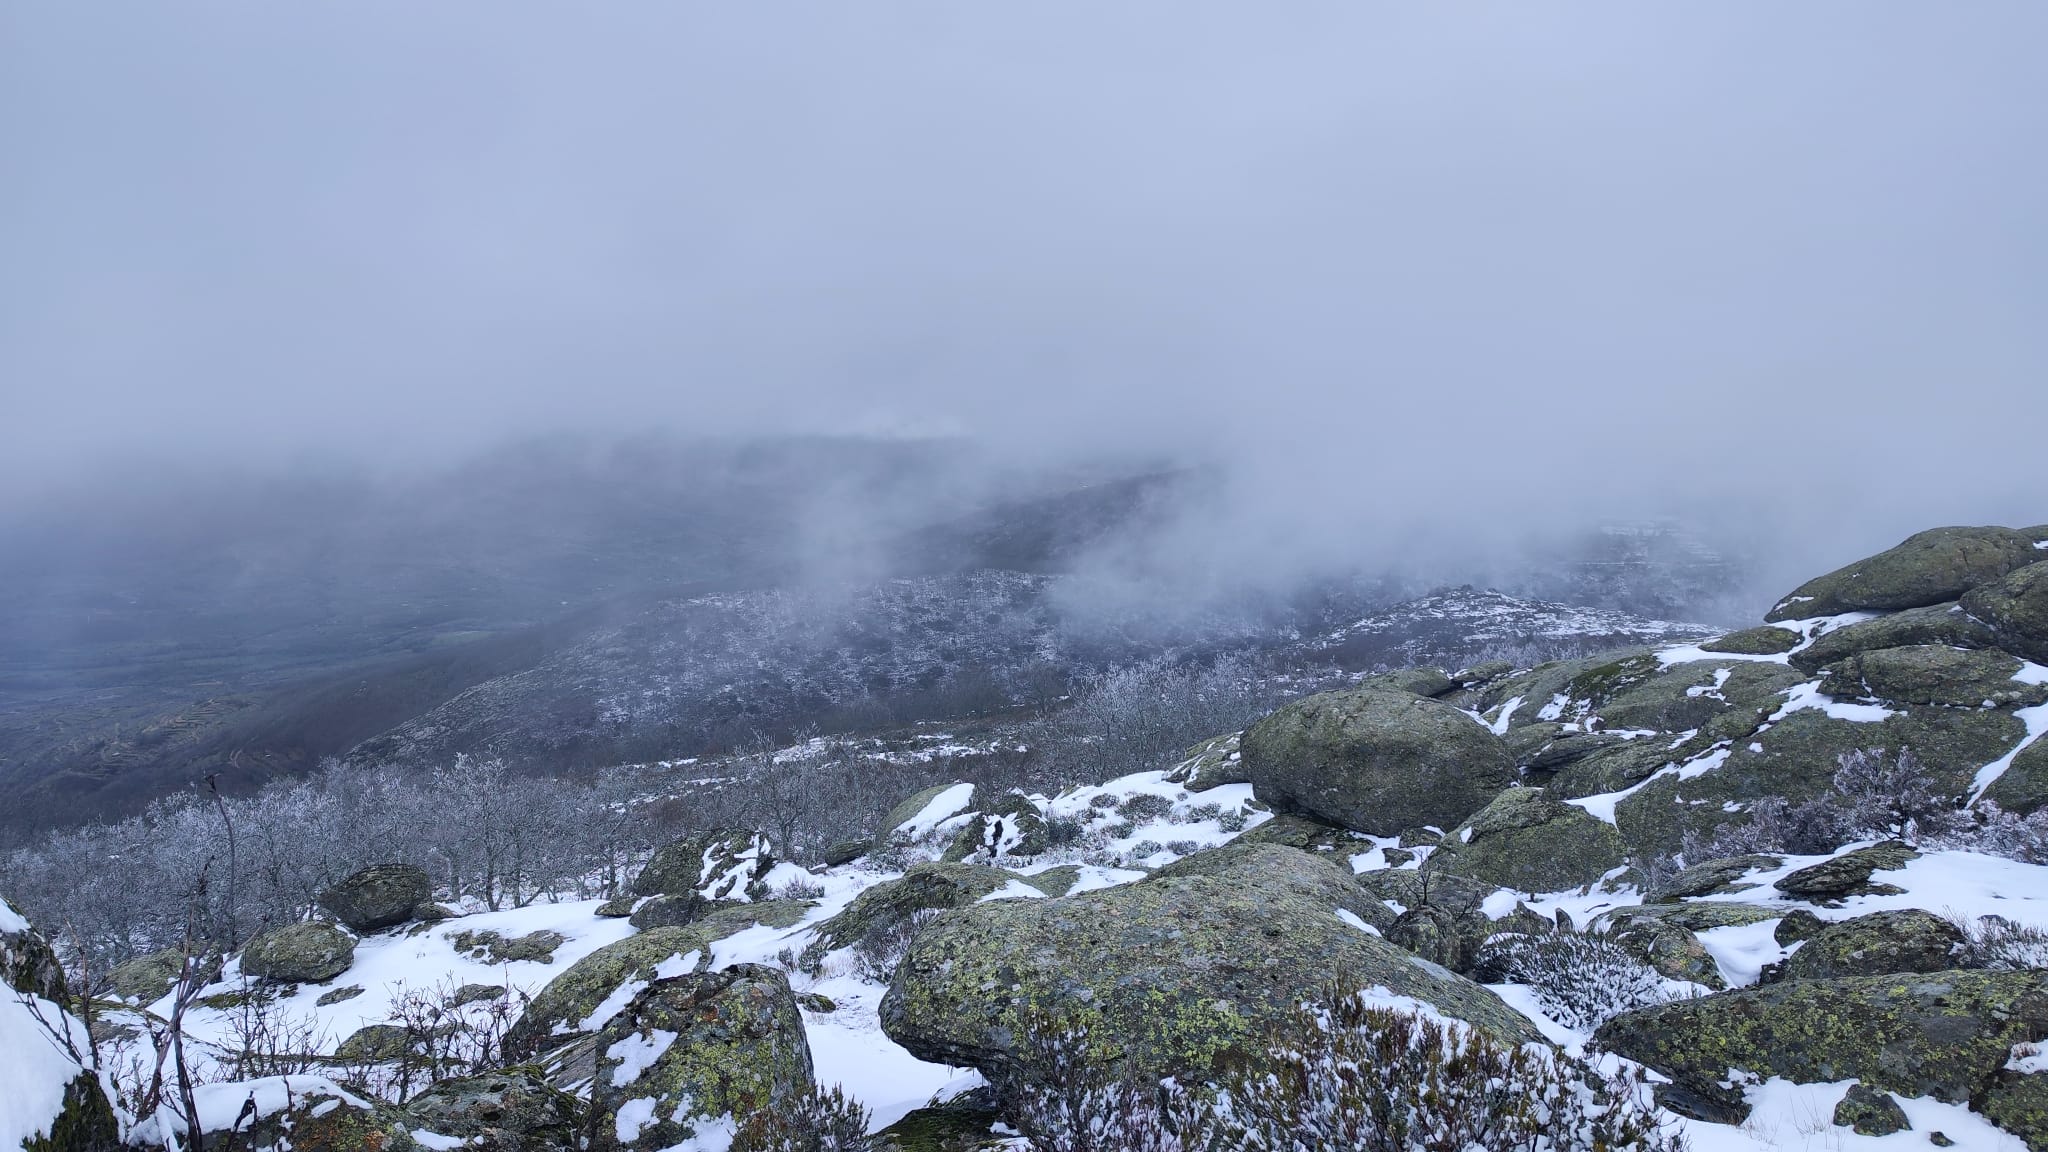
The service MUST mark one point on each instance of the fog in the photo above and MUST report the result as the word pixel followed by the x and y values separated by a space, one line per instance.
pixel 1395 277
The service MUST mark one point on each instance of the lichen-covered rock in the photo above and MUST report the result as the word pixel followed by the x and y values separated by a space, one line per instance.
pixel 297 1113
pixel 914 806
pixel 1171 975
pixel 2015 608
pixel 1420 681
pixel 666 911
pixel 1907 940
pixel 1007 826
pixel 1435 934
pixel 1615 768
pixel 1308 835
pixel 1709 878
pixel 1672 950
pixel 1944 624
pixel 1927 568
pixel 689 1053
pixel 380 896
pixel 1415 887
pixel 845 852
pixel 1210 764
pixel 2023 787
pixel 962 1124
pixel 1944 1034
pixel 1848 874
pixel 510 1110
pixel 726 919
pixel 577 1000
pixel 308 953
pixel 1692 694
pixel 2017 1101
pixel 1933 674
pixel 1284 869
pixel 54 1100
pixel 1872 1113
pixel 720 865
pixel 1795 759
pixel 1375 761
pixel 374 1043
pixel 1544 750
pixel 924 886
pixel 494 948
pixel 1529 841
pixel 1765 641
pixel 148 978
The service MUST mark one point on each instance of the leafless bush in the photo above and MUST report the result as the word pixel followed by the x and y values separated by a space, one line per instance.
pixel 1995 832
pixel 1999 944
pixel 1581 980
pixel 881 949
pixel 445 1034
pixel 816 1121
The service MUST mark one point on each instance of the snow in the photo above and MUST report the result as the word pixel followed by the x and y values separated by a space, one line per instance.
pixel 633 1116
pixel 436 1141
pixel 1740 951
pixel 949 803
pixel 33 1069
pixel 1499 727
pixel 1788 1117
pixel 11 922
pixel 1013 890
pixel 1352 918
pixel 1809 695
pixel 2036 720
pixel 637 1053
pixel 1522 998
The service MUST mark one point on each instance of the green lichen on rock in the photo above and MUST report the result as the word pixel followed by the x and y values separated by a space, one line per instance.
pixel 1944 1034
pixel 1006 826
pixel 374 1043
pixel 719 865
pixel 700 1047
pixel 1178 974
pixel 1933 674
pixel 1935 624
pixel 1848 874
pixel 2023 787
pixel 1691 695
pixel 2015 608
pixel 1613 769
pixel 924 886
pixel 1527 840
pixel 1307 835
pixel 1906 940
pixel 1672 950
pixel 308 953
pixel 1055 881
pixel 84 1122
pixel 147 978
pixel 558 1010
pixel 380 896
pixel 2018 1102
pixel 509 1110
pixel 1926 568
pixel 906 811
pixel 1767 640
pixel 958 1125
pixel 1420 681
pixel 1710 877
pixel 1375 761
pixel 1210 764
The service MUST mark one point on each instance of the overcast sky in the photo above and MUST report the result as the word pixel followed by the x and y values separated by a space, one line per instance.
pixel 1490 257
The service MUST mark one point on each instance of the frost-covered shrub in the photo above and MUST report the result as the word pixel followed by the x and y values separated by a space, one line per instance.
pixel 1183 847
pixel 1197 813
pixel 1993 831
pixel 1813 828
pixel 1890 796
pixel 800 888
pixel 817 1121
pixel 1062 831
pixel 1144 806
pixel 1999 944
pixel 1231 820
pixel 1120 830
pixel 1102 800
pixel 879 950
pixel 1144 848
pixel 1581 980
pixel 1356 1077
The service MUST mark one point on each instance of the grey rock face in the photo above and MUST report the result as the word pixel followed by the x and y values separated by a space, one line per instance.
pixel 1927 568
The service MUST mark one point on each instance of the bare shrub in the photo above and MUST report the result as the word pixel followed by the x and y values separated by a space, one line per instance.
pixel 816 1121
pixel 881 948
pixel 1581 980
pixel 1999 944
pixel 1993 831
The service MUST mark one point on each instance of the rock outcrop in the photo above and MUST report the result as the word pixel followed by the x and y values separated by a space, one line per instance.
pixel 380 896
pixel 310 953
pixel 1527 840
pixel 1927 568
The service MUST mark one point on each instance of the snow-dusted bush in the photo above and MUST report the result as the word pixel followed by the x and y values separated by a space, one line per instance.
pixel 1361 1077
pixel 1999 944
pixel 1581 980
pixel 1890 795
pixel 1993 831
pixel 881 948
pixel 817 1121
pixel 800 888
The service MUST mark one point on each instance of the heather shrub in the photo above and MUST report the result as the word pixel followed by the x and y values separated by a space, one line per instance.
pixel 1581 980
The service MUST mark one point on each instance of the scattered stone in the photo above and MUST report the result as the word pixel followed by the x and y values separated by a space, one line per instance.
pixel 1870 1112
pixel 1375 761
pixel 895 901
pixel 337 995
pixel 493 948
pixel 380 896
pixel 718 865
pixel 148 978
pixel 310 953
pixel 1212 763
pixel 1007 826
pixel 477 993
pixel 510 1110
pixel 1798 924
pixel 845 852
pixel 1847 874
pixel 374 1044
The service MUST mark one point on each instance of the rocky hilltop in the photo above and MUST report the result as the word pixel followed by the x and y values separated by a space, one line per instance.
pixel 1786 882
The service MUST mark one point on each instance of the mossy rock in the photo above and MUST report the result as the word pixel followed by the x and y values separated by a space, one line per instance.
pixel 1420 681
pixel 1212 763
pixel 1178 974
pixel 1543 758
pixel 509 1110
pixel 1307 835
pixel 924 886
pixel 619 907
pixel 374 1044
pixel 909 809
pixel 1691 695
pixel 720 865
pixel 148 978
pixel 959 1125
pixel 1848 874
pixel 2018 1102
pixel 1285 869
pixel 560 1009
pixel 1869 1112
pixel 1584 684
pixel 692 1050
pixel 726 919
pixel 339 995
pixel 1674 951
pixel 1907 940
pixel 1436 935
pixel 1768 640
pixel 380 896
pixel 1943 1034
pixel 1796 758
pixel 2015 608
pixel 1945 624
pixel 846 852
pixel 1933 674
pixel 1691 916
pixel 1007 826
pixel 2023 787
pixel 666 911
pixel 1927 568
pixel 309 953
pixel 1613 769
pixel 1710 877
pixel 84 1121
pixel 1375 761
pixel 1527 840
pixel 1055 881
pixel 494 948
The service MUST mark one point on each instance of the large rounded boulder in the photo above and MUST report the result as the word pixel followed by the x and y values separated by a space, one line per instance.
pixel 1927 568
pixel 308 953
pixel 1903 940
pixel 1375 761
pixel 584 998
pixel 1179 974
pixel 1529 841
pixel 1945 624
pixel 691 1053
pixel 380 896
pixel 717 865
pixel 1933 674
pixel 2016 610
